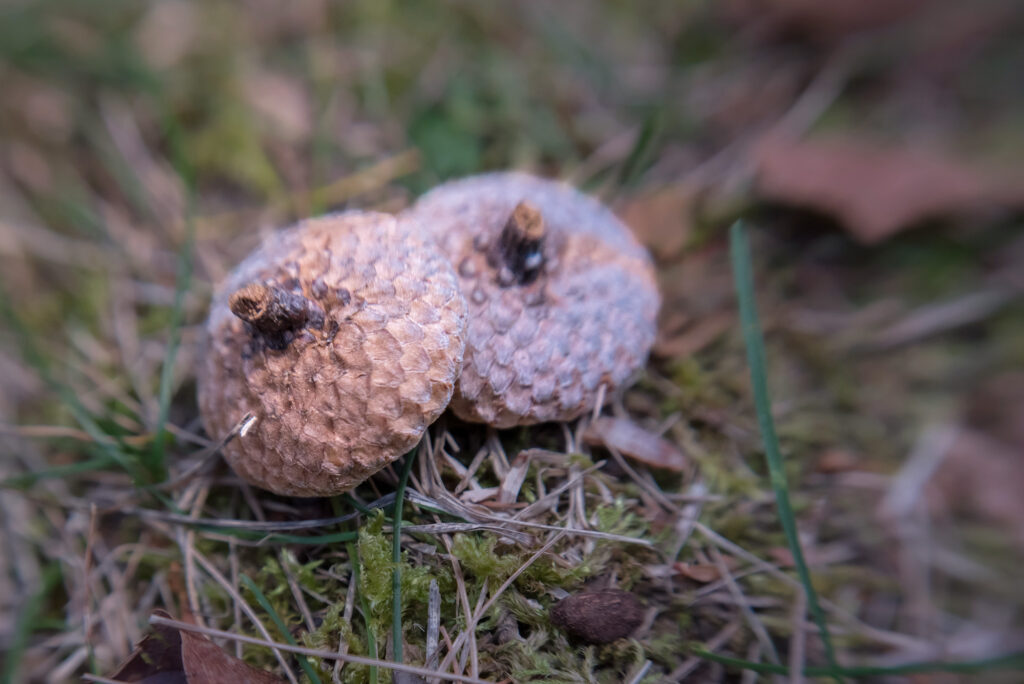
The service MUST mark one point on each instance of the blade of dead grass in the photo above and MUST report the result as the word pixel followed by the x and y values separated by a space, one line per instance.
pixel 743 274
pixel 313 652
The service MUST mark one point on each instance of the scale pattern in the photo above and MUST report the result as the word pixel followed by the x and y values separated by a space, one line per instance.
pixel 341 401
pixel 540 352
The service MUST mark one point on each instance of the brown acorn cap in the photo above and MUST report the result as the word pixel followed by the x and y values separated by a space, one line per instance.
pixel 343 335
pixel 562 298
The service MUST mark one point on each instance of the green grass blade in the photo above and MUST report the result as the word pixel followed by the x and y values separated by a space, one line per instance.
pixel 371 638
pixel 638 157
pixel 156 461
pixel 743 273
pixel 282 538
pixel 281 626
pixel 30 350
pixel 57 472
pixel 396 556
pixel 28 619
pixel 1013 661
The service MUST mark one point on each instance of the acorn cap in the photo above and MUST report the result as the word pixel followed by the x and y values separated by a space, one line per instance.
pixel 344 336
pixel 562 298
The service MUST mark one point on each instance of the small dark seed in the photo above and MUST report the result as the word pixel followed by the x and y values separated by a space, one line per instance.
pixel 598 617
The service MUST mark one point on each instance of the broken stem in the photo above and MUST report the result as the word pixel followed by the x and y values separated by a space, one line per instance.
pixel 270 309
pixel 521 246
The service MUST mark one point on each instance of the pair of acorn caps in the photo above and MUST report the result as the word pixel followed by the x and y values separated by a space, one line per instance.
pixel 510 298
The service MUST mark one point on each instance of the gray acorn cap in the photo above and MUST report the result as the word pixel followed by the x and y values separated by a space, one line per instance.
pixel 562 298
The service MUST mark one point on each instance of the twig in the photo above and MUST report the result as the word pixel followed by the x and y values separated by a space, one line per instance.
pixel 741 602
pixel 313 652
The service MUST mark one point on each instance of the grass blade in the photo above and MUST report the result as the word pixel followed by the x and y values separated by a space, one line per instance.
pixel 1013 661
pixel 743 273
pixel 371 638
pixel 281 626
pixel 27 623
pixel 396 556
pixel 183 278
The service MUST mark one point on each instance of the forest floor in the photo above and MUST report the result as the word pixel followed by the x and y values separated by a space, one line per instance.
pixel 872 151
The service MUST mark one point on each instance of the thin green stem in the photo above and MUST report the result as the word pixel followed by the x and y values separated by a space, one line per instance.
pixel 396 557
pixel 1013 661
pixel 371 638
pixel 743 273
pixel 156 462
pixel 27 623
pixel 281 626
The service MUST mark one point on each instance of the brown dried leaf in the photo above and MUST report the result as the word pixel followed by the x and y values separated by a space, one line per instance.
pixel 838 460
pixel 205 663
pixel 281 103
pixel 684 340
pixel 661 219
pixel 876 191
pixel 981 478
pixel 699 572
pixel 169 656
pixel 825 20
pixel 157 658
pixel 635 442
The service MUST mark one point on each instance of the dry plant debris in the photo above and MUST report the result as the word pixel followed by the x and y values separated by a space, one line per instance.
pixel 342 337
pixel 876 191
pixel 171 656
pixel 636 442
pixel 562 298
pixel 122 130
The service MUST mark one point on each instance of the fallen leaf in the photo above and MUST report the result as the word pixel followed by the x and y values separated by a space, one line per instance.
pixel 996 408
pixel 206 663
pixel 981 478
pixel 168 31
pixel 699 572
pixel 281 103
pixel 837 461
pixel 824 21
pixel 156 658
pixel 635 442
pixel 877 191
pixel 169 656
pixel 693 337
pixel 662 219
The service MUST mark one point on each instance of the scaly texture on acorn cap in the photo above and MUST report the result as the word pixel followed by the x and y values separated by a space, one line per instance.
pixel 344 336
pixel 562 298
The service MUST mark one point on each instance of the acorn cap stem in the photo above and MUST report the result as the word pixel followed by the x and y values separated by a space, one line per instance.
pixel 269 309
pixel 521 245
